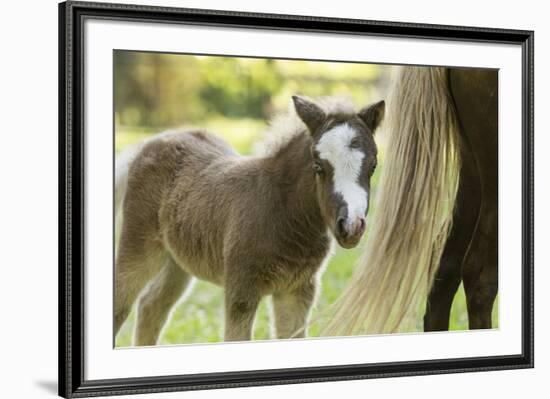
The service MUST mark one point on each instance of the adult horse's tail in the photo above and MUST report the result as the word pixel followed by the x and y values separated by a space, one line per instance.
pixel 414 209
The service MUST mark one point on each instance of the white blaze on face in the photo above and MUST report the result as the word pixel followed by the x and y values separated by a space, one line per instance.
pixel 346 162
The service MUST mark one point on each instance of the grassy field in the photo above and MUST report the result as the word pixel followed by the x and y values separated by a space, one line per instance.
pixel 198 318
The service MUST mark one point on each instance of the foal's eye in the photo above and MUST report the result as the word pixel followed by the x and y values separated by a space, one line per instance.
pixel 354 143
pixel 373 168
pixel 317 167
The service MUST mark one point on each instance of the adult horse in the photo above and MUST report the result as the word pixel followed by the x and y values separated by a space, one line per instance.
pixel 436 222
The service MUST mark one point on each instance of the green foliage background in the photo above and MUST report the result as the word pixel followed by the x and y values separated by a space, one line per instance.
pixel 235 97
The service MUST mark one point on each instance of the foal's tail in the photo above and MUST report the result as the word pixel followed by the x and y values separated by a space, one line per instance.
pixel 122 165
pixel 414 209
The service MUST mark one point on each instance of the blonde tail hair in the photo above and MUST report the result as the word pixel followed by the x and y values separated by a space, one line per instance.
pixel 412 220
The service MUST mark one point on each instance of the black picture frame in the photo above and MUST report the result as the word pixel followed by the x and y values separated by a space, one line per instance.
pixel 71 199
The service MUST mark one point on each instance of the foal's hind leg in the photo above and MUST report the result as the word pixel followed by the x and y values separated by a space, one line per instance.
pixel 292 310
pixel 136 264
pixel 155 303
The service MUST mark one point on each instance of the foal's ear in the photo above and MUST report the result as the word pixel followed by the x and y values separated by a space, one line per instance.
pixel 373 114
pixel 309 112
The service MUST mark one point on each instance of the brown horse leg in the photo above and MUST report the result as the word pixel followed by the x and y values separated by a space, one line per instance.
pixel 480 272
pixel 475 92
pixel 447 280
pixel 449 274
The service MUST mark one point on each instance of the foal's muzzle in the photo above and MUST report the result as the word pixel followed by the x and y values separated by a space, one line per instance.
pixel 349 231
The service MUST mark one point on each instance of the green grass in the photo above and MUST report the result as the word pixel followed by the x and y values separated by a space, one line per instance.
pixel 199 318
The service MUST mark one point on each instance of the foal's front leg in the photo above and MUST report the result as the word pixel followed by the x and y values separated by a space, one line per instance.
pixel 292 309
pixel 241 303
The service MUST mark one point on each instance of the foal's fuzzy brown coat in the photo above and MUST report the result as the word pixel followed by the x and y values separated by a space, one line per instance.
pixel 254 225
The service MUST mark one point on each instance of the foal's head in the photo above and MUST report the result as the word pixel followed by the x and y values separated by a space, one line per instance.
pixel 344 158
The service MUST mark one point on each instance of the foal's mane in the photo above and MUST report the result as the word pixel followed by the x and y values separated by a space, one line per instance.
pixel 286 125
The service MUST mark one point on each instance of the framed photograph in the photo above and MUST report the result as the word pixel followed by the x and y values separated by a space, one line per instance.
pixel 253 199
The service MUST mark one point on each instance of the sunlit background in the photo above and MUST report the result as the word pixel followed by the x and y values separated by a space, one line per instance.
pixel 235 98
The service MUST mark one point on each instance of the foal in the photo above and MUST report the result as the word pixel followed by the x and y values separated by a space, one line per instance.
pixel 256 226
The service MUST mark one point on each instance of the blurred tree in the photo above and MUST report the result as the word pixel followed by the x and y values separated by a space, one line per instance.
pixel 239 87
pixel 154 90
